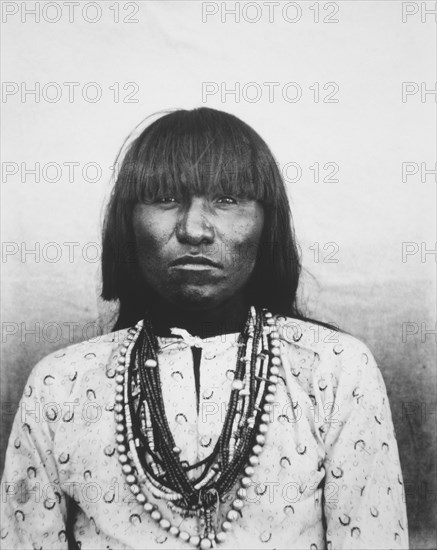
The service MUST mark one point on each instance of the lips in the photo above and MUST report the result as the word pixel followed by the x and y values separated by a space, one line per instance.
pixel 190 260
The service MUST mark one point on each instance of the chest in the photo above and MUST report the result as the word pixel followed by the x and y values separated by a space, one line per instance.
pixel 285 483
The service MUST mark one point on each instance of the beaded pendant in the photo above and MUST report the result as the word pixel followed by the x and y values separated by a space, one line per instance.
pixel 154 467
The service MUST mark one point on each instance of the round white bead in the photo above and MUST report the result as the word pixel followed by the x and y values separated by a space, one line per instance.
pixel 273 379
pixel 148 507
pixel 260 439
pixel 135 489
pixel 253 460
pixel 120 438
pixel 194 540
pixel 276 352
pixel 174 530
pixel 232 515
pixel 122 458
pixel 269 398
pixel 249 471
pixel 119 398
pixel 220 536
pixel 165 524
pixel 205 544
pixel 274 334
pixel 263 428
pixel 237 385
pixel 272 388
pixel 241 493
pixel 127 469
pixel 226 526
pixel 245 481
pixel 238 504
pixel 121 448
pixel 257 449
pixel 141 498
pixel 130 479
pixel 276 362
pixel 184 536
pixel 156 515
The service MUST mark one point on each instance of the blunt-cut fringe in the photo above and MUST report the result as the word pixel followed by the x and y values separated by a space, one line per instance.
pixel 201 151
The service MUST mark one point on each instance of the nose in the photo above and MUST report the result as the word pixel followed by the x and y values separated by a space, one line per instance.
pixel 194 224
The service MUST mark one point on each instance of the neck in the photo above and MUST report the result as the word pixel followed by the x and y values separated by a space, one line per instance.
pixel 224 319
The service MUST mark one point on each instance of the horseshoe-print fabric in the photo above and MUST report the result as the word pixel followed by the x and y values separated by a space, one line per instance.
pixel 329 475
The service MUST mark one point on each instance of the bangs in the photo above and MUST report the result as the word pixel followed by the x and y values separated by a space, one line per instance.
pixel 200 152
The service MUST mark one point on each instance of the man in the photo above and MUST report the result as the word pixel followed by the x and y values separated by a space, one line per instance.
pixel 221 418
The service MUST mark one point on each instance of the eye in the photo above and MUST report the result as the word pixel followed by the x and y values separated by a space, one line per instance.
pixel 226 199
pixel 169 199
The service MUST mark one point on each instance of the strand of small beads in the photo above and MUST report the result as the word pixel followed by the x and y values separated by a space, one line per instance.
pixel 246 427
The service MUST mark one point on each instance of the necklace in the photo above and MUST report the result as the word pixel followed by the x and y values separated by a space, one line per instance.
pixel 146 448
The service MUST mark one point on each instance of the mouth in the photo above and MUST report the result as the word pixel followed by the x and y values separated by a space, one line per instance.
pixel 196 263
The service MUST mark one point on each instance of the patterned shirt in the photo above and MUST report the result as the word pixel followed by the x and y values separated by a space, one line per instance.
pixel 329 475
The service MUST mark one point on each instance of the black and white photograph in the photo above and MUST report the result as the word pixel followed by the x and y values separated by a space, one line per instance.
pixel 218 275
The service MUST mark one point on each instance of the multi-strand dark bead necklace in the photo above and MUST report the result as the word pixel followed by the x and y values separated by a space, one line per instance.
pixel 147 451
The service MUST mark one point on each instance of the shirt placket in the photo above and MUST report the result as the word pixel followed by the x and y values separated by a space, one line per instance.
pixel 216 374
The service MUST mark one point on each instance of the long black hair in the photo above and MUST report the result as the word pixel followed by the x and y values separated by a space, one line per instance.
pixel 193 151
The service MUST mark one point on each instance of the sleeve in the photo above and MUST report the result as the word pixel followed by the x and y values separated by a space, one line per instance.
pixel 364 499
pixel 33 508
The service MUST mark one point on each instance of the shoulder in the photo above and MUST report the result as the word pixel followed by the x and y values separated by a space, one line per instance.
pixel 317 338
pixel 324 352
pixel 61 369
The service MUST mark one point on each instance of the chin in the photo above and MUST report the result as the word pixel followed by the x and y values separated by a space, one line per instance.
pixel 196 298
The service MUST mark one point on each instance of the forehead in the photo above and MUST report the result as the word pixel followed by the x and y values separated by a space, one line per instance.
pixel 209 174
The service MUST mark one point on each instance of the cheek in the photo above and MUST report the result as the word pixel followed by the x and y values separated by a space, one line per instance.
pixel 148 230
pixel 244 238
pixel 249 228
pixel 150 243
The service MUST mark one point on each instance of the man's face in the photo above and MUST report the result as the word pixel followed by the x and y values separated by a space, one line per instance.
pixel 198 252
